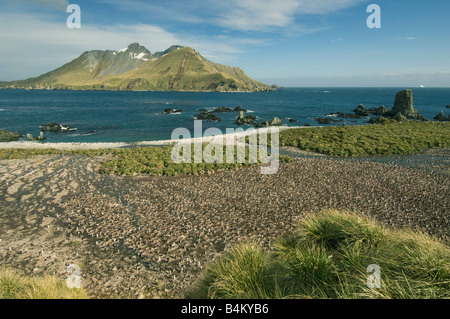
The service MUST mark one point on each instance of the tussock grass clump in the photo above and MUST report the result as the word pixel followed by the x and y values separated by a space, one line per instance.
pixel 334 228
pixel 13 286
pixel 244 273
pixel 328 257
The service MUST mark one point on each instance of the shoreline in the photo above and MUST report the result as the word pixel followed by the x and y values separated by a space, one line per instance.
pixel 71 146
pixel 119 90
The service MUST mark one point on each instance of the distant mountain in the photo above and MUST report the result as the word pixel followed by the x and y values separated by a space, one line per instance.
pixel 135 68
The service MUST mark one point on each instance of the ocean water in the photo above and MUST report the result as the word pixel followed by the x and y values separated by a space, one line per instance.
pixel 103 116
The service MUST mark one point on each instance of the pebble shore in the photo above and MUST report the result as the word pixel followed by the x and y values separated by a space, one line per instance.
pixel 151 237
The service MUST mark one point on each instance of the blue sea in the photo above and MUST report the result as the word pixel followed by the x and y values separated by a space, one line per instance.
pixel 106 116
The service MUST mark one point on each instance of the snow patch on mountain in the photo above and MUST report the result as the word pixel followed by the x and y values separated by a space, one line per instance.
pixel 140 56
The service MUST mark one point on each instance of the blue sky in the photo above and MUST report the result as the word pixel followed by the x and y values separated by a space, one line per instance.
pixel 287 42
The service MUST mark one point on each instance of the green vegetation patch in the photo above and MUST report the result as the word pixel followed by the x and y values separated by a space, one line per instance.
pixel 10 153
pixel 6 136
pixel 377 139
pixel 157 161
pixel 328 257
pixel 13 286
pixel 154 161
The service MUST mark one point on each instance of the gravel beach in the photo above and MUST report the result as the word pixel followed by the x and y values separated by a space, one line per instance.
pixel 150 237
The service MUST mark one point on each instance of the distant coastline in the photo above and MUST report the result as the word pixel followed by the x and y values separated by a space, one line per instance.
pixel 119 90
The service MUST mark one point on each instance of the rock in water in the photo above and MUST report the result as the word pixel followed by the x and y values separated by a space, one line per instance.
pixel 170 111
pixel 361 111
pixel 56 128
pixel 51 127
pixel 382 110
pixel 441 117
pixel 275 122
pixel 404 105
pixel 245 119
pixel 41 136
pixel 239 108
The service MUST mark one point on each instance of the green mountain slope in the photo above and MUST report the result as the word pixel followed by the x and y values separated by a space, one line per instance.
pixel 135 68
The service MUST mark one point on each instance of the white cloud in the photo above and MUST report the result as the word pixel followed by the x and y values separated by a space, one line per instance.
pixel 31 29
pixel 253 15
pixel 194 11
pixel 258 14
pixel 242 15
pixel 37 46
pixel 324 6
pixel 56 4
pixel 33 43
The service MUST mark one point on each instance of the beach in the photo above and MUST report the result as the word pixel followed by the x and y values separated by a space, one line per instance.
pixel 151 237
pixel 234 137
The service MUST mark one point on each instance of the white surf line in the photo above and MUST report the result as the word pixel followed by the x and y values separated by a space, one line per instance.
pixel 72 146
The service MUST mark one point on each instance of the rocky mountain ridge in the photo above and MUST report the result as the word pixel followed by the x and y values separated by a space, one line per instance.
pixel 136 68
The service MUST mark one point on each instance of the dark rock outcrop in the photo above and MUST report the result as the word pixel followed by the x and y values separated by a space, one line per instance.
pixel 245 119
pixel 361 110
pixel 6 136
pixel 239 108
pixel 51 127
pixel 208 117
pixel 170 111
pixel 273 122
pixel 56 128
pixel 382 110
pixel 441 117
pixel 327 121
pixel 399 117
pixel 222 109
pixel 290 120
pixel 404 105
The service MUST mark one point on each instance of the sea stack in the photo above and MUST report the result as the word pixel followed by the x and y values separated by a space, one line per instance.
pixel 404 105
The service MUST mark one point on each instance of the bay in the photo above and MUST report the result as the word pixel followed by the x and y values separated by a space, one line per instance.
pixel 107 116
